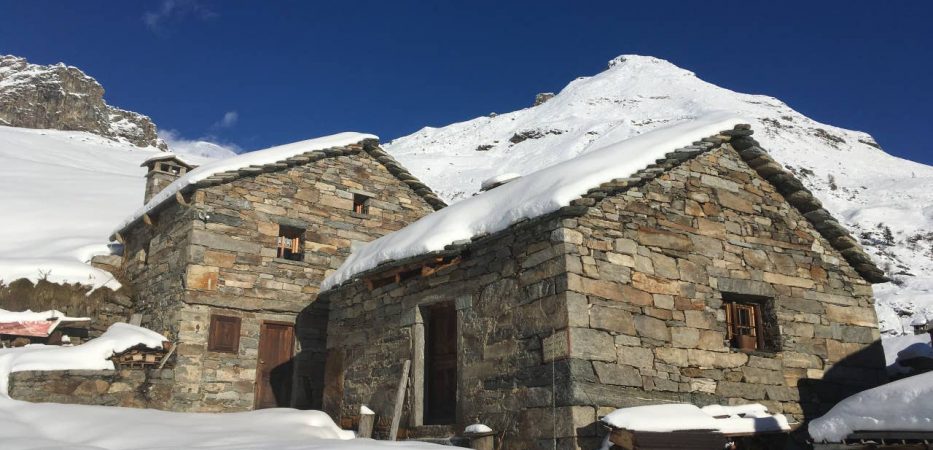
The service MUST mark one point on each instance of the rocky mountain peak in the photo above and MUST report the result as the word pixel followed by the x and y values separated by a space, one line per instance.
pixel 65 98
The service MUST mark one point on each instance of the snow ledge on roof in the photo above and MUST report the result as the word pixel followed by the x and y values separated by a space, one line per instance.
pixel 530 196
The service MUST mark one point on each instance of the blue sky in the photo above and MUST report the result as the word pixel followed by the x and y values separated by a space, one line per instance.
pixel 256 74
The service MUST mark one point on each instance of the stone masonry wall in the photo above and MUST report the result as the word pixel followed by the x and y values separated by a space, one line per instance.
pixel 646 275
pixel 222 260
pixel 618 303
pixel 127 387
pixel 505 291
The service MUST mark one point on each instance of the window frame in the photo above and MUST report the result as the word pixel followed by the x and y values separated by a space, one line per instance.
pixel 361 204
pixel 757 311
pixel 214 341
pixel 290 239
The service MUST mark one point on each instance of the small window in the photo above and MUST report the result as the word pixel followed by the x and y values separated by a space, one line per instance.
pixel 224 334
pixel 747 325
pixel 290 244
pixel 360 204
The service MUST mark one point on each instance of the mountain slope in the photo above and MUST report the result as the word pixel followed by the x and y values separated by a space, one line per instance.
pixel 61 193
pixel 886 201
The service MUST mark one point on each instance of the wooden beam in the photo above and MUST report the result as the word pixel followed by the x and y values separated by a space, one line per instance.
pixel 147 220
pixel 399 400
pixel 180 199
pixel 119 238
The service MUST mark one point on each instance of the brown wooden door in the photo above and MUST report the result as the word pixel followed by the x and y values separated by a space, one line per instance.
pixel 441 365
pixel 274 368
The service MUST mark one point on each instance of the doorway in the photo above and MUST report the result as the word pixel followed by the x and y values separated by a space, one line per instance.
pixel 440 390
pixel 274 369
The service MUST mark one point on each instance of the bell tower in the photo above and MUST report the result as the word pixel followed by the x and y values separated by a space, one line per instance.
pixel 163 169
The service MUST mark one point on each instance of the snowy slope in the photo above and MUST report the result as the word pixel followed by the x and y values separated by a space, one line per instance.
pixel 61 193
pixel 847 170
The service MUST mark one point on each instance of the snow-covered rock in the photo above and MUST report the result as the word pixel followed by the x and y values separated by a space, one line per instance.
pixel 65 98
pixel 884 200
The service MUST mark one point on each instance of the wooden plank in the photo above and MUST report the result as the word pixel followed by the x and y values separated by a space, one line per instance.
pixel 168 355
pixel 399 400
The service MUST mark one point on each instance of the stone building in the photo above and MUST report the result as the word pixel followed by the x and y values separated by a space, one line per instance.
pixel 223 259
pixel 711 276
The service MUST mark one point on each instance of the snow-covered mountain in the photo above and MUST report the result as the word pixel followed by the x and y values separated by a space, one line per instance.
pixel 65 98
pixel 885 200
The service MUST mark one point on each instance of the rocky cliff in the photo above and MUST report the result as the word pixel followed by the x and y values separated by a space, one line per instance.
pixel 65 98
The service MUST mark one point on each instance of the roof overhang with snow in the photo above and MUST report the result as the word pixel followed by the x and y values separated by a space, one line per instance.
pixel 276 159
pixel 571 187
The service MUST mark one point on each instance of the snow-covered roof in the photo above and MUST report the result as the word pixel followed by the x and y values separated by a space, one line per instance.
pixel 242 161
pixel 279 158
pixel 739 419
pixel 164 156
pixel 902 405
pixel 530 196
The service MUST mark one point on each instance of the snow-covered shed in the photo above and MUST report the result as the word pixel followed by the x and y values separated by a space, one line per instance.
pixel 683 265
pixel 223 258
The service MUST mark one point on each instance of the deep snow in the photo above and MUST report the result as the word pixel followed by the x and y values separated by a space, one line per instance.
pixel 57 426
pixel 903 405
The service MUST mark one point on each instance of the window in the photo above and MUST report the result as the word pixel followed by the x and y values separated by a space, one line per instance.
pixel 360 204
pixel 224 334
pixel 748 327
pixel 290 243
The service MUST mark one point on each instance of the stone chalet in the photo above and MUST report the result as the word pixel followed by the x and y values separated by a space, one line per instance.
pixel 222 258
pixel 711 276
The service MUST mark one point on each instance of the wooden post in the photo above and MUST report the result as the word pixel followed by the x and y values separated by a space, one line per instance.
pixel 367 419
pixel 399 400
pixel 482 441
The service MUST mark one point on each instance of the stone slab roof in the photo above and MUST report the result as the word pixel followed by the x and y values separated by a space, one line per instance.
pixel 740 139
pixel 366 144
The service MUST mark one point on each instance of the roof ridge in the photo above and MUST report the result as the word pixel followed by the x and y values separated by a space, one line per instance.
pixel 740 140
pixel 369 145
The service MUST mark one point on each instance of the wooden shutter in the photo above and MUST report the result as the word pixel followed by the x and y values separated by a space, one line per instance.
pixel 759 327
pixel 224 334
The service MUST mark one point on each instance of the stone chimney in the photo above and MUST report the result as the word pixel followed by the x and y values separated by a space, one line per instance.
pixel 163 169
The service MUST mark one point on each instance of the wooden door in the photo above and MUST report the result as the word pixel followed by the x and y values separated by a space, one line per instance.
pixel 275 366
pixel 441 365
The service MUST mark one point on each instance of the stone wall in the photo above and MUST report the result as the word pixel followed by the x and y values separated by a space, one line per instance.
pixel 127 387
pixel 103 305
pixel 216 254
pixel 506 292
pixel 646 298
pixel 616 301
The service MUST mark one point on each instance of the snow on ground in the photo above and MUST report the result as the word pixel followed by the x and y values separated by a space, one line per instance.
pixel 531 196
pixel 257 158
pixel 61 193
pixel 864 187
pixel 28 426
pixel 903 405
pixel 748 418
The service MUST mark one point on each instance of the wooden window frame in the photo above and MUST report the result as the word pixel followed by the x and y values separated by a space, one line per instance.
pixel 745 330
pixel 290 243
pixel 361 204
pixel 213 344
